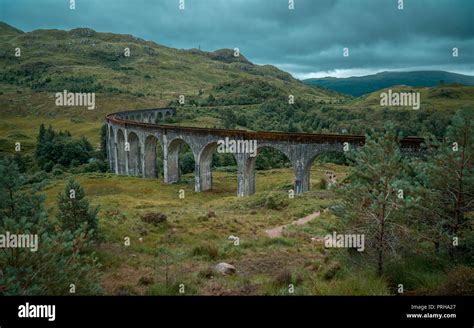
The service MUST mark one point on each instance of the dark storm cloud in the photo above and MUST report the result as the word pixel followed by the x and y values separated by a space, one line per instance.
pixel 306 40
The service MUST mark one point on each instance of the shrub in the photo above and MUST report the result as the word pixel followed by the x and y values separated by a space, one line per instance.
pixel 153 218
pixel 323 183
pixel 460 281
pixel 208 250
pixel 206 273
pixel 331 271
pixel 416 272
pixel 39 176
pixel 283 278
pixel 57 171
pixel 274 201
pixel 145 280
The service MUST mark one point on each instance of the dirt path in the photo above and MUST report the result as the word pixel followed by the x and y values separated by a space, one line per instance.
pixel 278 231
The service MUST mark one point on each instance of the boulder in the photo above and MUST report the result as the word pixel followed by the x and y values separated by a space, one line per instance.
pixel 225 268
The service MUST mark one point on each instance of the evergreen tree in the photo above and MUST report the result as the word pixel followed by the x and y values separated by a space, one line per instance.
pixel 376 201
pixel 229 118
pixel 14 203
pixel 58 258
pixel 448 176
pixel 211 101
pixel 74 209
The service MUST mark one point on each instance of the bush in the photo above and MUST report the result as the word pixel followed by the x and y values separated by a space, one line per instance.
pixel 416 272
pixel 145 280
pixel 94 166
pixel 323 183
pixel 57 172
pixel 206 273
pixel 207 250
pixel 460 281
pixel 331 271
pixel 283 278
pixel 275 201
pixel 153 218
pixel 60 148
pixel 186 162
pixel 37 177
pixel 48 166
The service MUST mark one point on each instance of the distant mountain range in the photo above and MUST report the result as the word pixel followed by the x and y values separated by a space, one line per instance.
pixel 357 86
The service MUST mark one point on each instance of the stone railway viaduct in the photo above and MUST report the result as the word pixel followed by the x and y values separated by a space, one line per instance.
pixel 133 136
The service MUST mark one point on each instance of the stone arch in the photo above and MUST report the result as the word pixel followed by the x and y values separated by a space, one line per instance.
pixel 121 154
pixel 171 163
pixel 320 149
pixel 134 155
pixel 247 173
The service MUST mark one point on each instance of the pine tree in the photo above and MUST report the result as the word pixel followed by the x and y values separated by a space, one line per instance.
pixel 376 201
pixel 74 209
pixel 59 259
pixel 448 175
pixel 16 204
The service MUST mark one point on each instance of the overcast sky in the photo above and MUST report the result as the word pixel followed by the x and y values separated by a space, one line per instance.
pixel 307 41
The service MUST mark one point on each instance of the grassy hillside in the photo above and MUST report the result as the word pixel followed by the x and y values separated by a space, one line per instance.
pixel 357 86
pixel 83 60
pixel 445 97
pixel 185 248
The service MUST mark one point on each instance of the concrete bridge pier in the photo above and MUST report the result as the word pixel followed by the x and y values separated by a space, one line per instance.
pixel 112 149
pixel 142 157
pixel 171 160
pixel 302 176
pixel 134 155
pixel 245 175
pixel 127 154
pixel 149 160
pixel 203 171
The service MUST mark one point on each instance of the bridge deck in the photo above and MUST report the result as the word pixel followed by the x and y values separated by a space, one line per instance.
pixel 407 142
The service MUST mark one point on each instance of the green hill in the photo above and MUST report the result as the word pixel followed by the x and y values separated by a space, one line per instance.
pixel 441 97
pixel 83 60
pixel 357 86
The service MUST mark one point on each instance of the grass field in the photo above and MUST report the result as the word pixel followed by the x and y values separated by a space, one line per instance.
pixel 185 248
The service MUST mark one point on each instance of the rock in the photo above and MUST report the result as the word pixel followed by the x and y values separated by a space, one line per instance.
pixel 225 268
